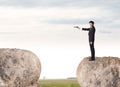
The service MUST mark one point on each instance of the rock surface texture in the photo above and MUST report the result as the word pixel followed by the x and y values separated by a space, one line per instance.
pixel 19 68
pixel 103 72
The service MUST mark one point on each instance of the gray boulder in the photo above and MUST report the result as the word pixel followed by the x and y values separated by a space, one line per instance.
pixel 19 68
pixel 103 72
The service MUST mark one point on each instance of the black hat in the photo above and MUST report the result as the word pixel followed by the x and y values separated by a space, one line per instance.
pixel 91 22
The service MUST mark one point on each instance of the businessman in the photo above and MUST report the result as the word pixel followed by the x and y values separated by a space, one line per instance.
pixel 91 34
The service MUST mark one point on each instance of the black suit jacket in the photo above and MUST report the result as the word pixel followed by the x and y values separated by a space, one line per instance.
pixel 91 33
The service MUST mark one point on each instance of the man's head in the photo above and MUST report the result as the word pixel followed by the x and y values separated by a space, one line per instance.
pixel 91 23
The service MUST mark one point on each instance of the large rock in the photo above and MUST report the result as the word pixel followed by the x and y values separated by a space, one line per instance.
pixel 19 68
pixel 103 72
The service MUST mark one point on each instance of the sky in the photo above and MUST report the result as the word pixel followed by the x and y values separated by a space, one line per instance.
pixel 45 27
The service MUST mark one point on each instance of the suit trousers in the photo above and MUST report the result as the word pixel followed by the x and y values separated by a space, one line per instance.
pixel 92 49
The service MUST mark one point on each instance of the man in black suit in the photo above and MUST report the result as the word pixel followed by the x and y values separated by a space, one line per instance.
pixel 91 34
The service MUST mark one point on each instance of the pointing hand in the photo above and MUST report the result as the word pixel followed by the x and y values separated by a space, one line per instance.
pixel 77 27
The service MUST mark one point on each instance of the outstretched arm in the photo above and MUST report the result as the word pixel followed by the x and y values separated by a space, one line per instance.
pixel 86 29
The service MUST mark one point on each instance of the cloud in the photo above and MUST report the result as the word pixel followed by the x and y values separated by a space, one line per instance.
pixel 44 23
pixel 69 11
pixel 105 32
pixel 68 21
pixel 74 21
pixel 9 33
pixel 39 3
pixel 59 3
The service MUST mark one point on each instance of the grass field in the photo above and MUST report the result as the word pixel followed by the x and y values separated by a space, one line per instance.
pixel 59 83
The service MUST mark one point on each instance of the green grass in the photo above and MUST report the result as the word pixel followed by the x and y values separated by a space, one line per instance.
pixel 59 83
